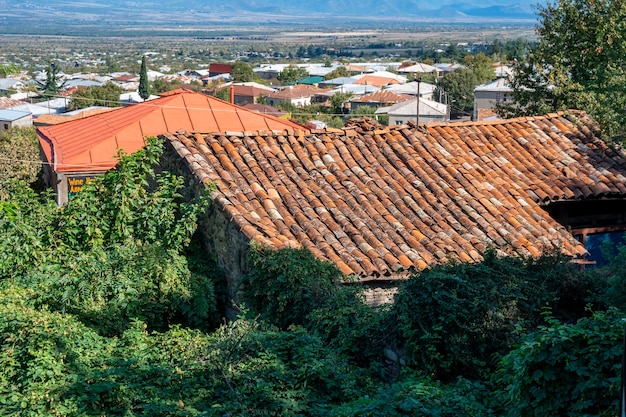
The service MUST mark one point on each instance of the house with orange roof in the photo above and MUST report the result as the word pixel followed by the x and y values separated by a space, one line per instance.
pixel 76 151
pixel 376 81
pixel 248 92
pixel 380 98
pixel 299 95
pixel 381 202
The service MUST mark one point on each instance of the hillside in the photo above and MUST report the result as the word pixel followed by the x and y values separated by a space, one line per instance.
pixel 33 15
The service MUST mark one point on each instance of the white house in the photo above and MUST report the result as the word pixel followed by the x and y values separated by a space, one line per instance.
pixel 14 118
pixel 429 111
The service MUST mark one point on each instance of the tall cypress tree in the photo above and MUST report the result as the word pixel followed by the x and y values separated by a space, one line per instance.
pixel 144 84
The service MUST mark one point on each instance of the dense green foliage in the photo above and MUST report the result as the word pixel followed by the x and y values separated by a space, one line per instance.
pixel 459 84
pixel 54 365
pixel 579 62
pixel 565 369
pixel 19 155
pixel 470 313
pixel 291 74
pixel 114 253
pixel 242 72
pixel 8 69
pixel 107 95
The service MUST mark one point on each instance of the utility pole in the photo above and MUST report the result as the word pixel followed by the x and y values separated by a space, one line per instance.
pixel 417 113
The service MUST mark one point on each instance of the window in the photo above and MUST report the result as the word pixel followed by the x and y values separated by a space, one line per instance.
pixel 398 122
pixel 6 126
pixel 601 244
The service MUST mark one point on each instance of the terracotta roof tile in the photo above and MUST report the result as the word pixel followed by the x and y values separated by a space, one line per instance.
pixel 91 143
pixel 378 202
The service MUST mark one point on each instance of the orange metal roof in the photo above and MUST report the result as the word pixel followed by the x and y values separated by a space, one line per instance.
pixel 380 201
pixel 91 143
pixel 376 81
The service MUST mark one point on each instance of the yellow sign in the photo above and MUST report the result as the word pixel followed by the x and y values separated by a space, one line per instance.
pixel 75 184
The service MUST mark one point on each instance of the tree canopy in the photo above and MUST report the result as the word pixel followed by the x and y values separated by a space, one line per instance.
pixel 579 62
pixel 107 95
pixel 292 74
pixel 242 72
pixel 54 81
pixel 19 155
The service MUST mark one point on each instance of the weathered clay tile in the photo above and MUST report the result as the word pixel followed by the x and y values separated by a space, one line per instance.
pixel 377 201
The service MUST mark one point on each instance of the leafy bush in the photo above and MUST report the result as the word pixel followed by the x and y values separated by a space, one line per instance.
pixel 51 364
pixel 26 226
pixel 613 276
pixel 565 369
pixel 285 286
pixel 114 253
pixel 453 319
pixel 19 153
pixel 418 396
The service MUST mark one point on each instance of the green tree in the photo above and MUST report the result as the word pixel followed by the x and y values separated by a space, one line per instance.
pixel 8 69
pixel 565 369
pixel 115 252
pixel 337 102
pixel 223 94
pixel 54 81
pixel 579 62
pixel 291 74
pixel 459 86
pixel 242 72
pixel 144 83
pixel 161 86
pixel 482 67
pixel 19 155
pixel 338 72
pixel 107 95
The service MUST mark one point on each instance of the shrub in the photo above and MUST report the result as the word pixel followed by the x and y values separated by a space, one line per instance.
pixel 419 396
pixel 454 318
pixel 565 369
pixel 286 285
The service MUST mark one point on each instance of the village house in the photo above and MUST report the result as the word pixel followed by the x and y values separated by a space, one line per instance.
pixel 425 89
pixel 377 99
pixel 79 150
pixel 488 96
pixel 248 92
pixel 380 202
pixel 299 95
pixel 416 110
pixel 14 118
pixel 11 85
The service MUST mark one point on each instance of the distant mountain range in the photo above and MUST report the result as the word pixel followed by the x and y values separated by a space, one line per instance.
pixel 114 12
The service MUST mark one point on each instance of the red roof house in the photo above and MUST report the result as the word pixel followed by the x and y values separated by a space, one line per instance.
pixel 81 149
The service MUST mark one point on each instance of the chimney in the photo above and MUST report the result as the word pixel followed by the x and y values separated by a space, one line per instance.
pixel 232 94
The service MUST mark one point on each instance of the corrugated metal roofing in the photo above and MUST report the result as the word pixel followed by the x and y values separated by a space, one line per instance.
pixel 91 143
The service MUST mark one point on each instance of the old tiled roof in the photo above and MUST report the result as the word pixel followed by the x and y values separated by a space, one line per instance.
pixel 380 201
pixel 383 96
pixel 91 143
pixel 6 102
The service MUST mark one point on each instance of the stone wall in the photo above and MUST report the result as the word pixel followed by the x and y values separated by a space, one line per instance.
pixel 223 241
